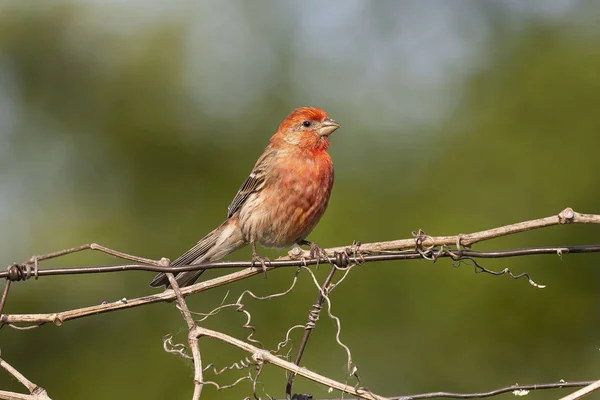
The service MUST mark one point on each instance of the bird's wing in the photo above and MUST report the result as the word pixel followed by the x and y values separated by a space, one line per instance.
pixel 254 183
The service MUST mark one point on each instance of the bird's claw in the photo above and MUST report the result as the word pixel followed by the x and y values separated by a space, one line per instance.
pixel 263 263
pixel 315 250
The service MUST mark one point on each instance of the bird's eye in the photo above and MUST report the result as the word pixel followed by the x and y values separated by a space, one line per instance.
pixel 306 123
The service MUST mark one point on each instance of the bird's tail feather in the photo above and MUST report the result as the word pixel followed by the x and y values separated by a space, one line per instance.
pixel 225 239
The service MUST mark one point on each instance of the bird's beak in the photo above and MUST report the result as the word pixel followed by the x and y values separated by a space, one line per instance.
pixel 328 126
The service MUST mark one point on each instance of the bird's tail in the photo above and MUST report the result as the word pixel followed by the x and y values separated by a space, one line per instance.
pixel 225 239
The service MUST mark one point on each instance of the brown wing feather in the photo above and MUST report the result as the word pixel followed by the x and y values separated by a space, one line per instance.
pixel 254 183
pixel 200 252
pixel 189 257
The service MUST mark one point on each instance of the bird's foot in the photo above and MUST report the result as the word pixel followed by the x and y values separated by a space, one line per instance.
pixel 315 250
pixel 263 263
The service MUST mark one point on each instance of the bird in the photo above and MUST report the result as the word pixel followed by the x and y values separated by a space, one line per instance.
pixel 280 202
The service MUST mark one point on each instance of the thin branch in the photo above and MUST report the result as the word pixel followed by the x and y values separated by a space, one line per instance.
pixel 5 395
pixel 192 339
pixel 168 295
pixel 260 355
pixel 36 392
pixel 422 246
pixel 4 296
pixel 581 393
pixel 365 257
pixel 566 216
pixel 96 247
pixel 59 317
pixel 352 370
pixel 300 258
pixel 313 316
pixel 20 377
pixel 519 390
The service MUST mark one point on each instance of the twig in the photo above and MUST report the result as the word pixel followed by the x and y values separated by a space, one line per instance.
pixel 387 255
pixel 100 248
pixel 4 296
pixel 301 258
pixel 36 392
pixel 567 216
pixel 522 389
pixel 260 355
pixel 515 389
pixel 168 295
pixel 192 339
pixel 338 324
pixel 59 317
pixel 423 246
pixel 313 316
pixel 581 393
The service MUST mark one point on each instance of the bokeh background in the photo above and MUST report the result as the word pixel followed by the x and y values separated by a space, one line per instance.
pixel 132 124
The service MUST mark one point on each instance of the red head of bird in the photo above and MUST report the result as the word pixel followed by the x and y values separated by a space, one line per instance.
pixel 307 128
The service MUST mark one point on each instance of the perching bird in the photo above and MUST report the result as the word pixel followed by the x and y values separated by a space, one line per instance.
pixel 282 200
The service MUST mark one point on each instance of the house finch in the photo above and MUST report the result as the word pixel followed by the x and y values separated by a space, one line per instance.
pixel 282 200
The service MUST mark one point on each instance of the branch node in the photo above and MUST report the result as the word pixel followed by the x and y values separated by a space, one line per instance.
pixel 57 320
pixel 258 356
pixel 459 239
pixel 566 216
pixel 164 262
pixel 420 238
pixel 38 390
pixel 295 252
pixel 352 251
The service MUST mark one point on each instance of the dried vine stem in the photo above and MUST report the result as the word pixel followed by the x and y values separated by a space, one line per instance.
pixel 264 356
pixel 4 296
pixel 583 392
pixel 312 320
pixel 168 295
pixel 15 271
pixel 517 390
pixel 36 392
pixel 192 339
pixel 368 252
pixel 566 216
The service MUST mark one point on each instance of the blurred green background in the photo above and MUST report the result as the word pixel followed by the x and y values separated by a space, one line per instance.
pixel 132 124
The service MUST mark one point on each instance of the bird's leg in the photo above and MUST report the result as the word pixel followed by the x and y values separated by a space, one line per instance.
pixel 316 251
pixel 256 258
